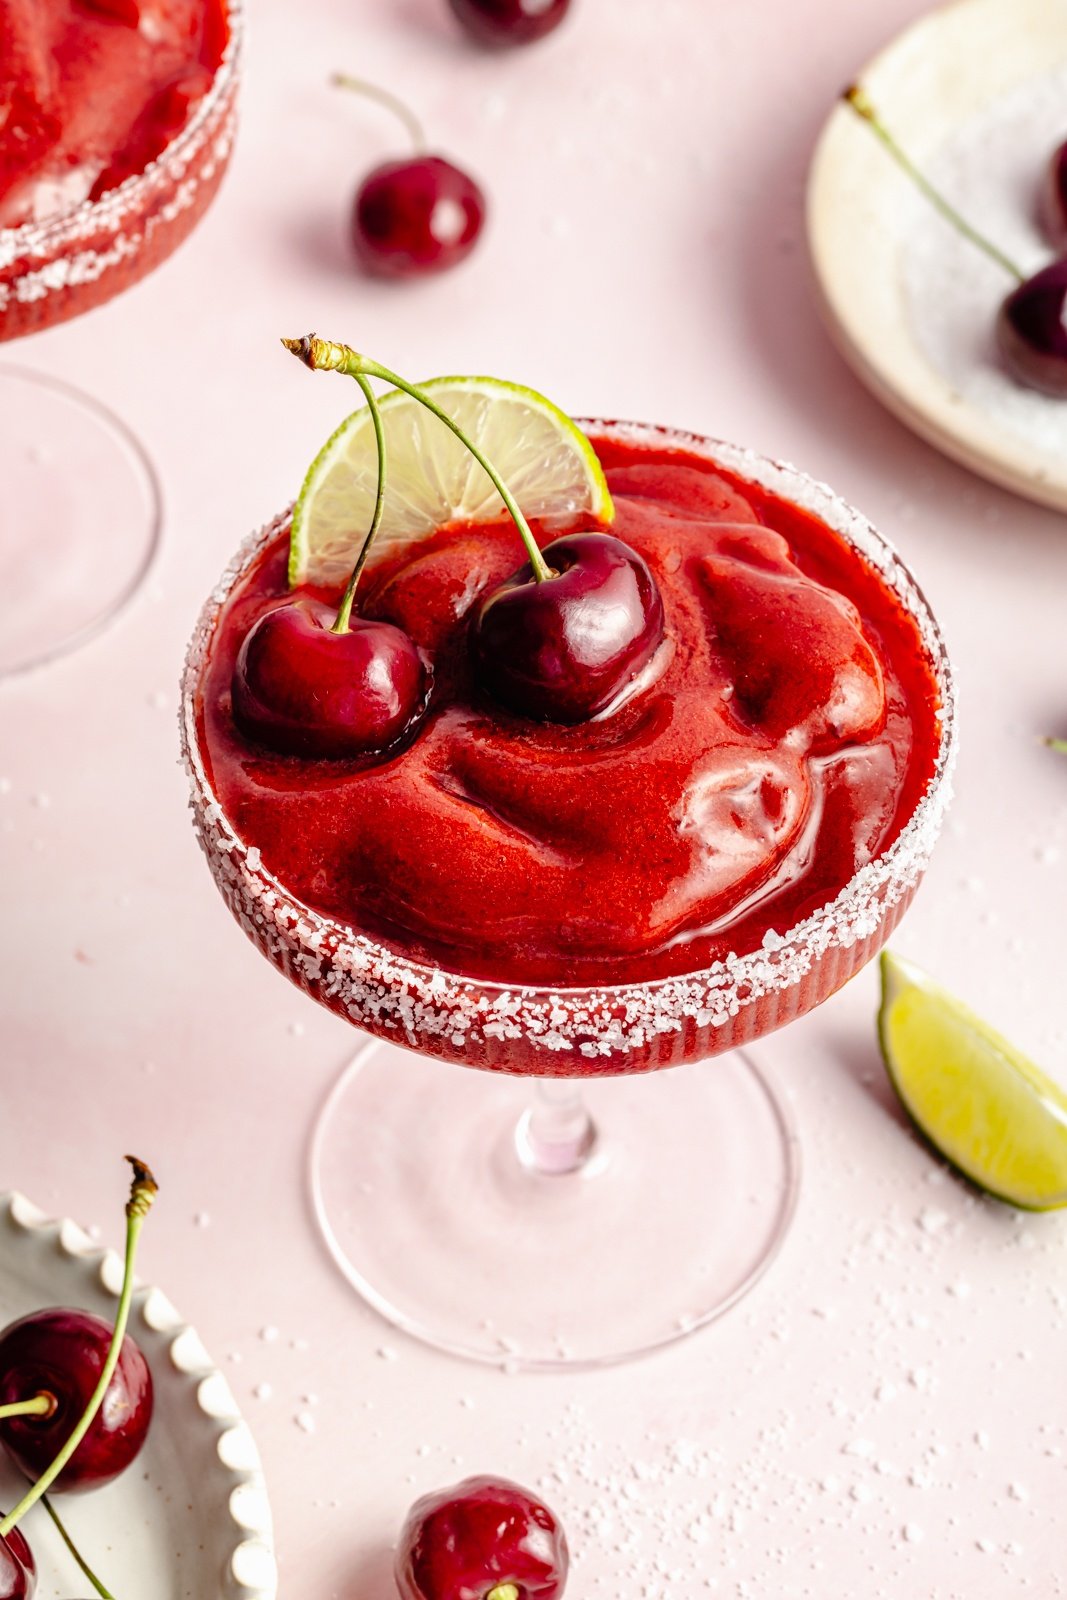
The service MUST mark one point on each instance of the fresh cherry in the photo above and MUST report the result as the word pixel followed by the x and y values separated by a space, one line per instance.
pixel 484 1539
pixel 302 689
pixel 1032 330
pixel 501 23
pixel 416 216
pixel 562 649
pixel 61 1353
pixel 18 1574
pixel 1054 197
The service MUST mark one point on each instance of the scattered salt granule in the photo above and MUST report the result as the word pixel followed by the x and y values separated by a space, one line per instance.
pixel 42 801
pixel 269 1333
pixel 262 1391
pixel 305 1421
pixel 385 1352
pixel 912 1532
pixel 296 1029
pixel 202 1219
pixel 159 700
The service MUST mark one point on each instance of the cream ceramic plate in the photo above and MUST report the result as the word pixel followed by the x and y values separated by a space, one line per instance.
pixel 977 93
pixel 190 1521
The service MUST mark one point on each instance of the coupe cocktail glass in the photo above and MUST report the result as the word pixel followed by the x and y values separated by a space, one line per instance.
pixel 82 508
pixel 609 1208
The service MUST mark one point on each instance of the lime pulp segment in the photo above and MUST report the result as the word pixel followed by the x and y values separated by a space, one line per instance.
pixel 546 462
pixel 987 1108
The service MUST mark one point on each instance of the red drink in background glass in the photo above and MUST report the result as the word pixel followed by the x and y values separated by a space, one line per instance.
pixel 120 121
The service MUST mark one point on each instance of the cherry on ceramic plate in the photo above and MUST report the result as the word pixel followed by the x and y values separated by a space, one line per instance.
pixel 483 1539
pixel 61 1353
pixel 502 23
pixel 1032 331
pixel 302 690
pixel 561 650
pixel 18 1574
pixel 416 216
pixel 1054 197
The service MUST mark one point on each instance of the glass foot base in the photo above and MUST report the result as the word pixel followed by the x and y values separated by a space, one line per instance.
pixel 80 518
pixel 458 1227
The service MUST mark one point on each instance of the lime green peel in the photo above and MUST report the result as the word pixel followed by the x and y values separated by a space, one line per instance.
pixel 321 355
pixel 979 1101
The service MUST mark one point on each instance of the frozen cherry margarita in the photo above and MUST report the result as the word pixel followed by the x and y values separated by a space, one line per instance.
pixel 714 727
pixel 116 124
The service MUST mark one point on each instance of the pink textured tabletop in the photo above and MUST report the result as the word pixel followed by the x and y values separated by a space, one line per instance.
pixel 885 1414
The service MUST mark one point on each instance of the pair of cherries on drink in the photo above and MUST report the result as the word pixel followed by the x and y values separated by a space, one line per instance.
pixel 556 650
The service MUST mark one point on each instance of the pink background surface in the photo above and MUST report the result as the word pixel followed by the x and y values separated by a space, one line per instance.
pixel 886 1414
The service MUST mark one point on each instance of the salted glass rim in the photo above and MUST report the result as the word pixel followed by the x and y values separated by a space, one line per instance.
pixel 908 852
pixel 37 238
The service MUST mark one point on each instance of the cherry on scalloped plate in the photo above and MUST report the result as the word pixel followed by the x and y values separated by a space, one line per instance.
pixel 191 1521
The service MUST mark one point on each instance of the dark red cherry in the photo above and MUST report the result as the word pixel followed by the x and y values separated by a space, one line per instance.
pixel 507 22
pixel 475 1540
pixel 18 1575
pixel 415 216
pixel 1031 330
pixel 562 650
pixel 303 690
pixel 62 1352
pixel 1054 197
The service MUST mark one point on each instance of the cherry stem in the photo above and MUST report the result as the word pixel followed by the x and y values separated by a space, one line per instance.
pixel 321 355
pixel 503 1591
pixel 345 610
pixel 371 91
pixel 1057 744
pixel 142 1193
pixel 86 1569
pixel 861 104
pixel 42 1405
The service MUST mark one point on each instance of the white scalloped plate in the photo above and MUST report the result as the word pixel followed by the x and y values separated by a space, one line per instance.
pixel 944 72
pixel 190 1520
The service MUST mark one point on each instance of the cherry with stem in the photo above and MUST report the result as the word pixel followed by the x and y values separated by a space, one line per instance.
pixel 1030 326
pixel 142 1193
pixel 564 638
pixel 416 215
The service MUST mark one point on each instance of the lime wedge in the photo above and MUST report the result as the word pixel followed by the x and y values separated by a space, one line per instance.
pixel 981 1103
pixel 547 463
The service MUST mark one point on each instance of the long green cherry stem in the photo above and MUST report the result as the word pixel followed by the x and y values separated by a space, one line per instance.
pixel 86 1569
pixel 861 103
pixel 142 1193
pixel 371 91
pixel 321 355
pixel 345 609
pixel 41 1405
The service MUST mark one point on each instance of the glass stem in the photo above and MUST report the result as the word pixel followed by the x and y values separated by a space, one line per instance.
pixel 556 1135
